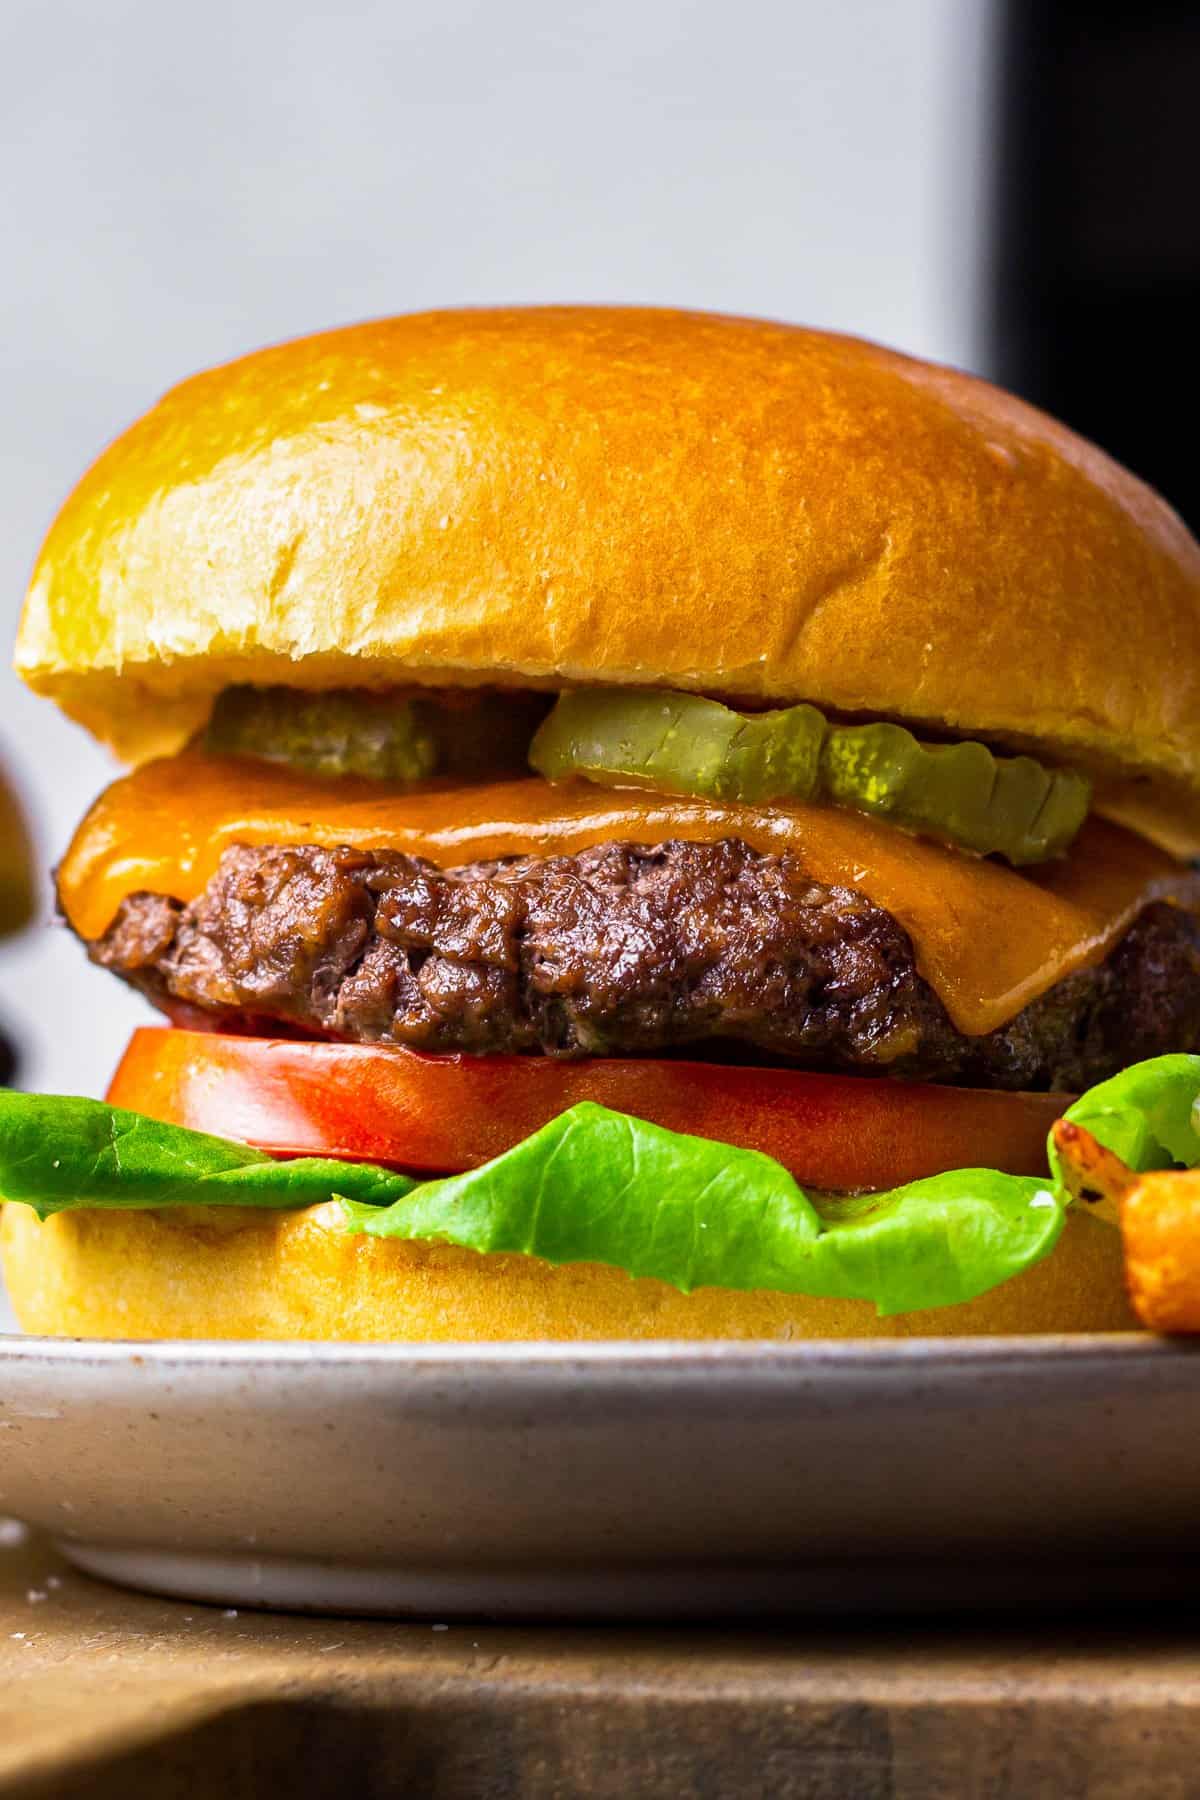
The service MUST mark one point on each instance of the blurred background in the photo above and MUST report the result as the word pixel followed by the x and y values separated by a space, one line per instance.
pixel 1005 186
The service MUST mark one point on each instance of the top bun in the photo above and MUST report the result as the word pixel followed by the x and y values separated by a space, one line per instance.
pixel 574 494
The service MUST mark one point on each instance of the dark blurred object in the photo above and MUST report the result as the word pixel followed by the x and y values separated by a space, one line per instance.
pixel 17 898
pixel 1096 288
pixel 9 1062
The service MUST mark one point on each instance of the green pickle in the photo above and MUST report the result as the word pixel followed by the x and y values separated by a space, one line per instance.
pixel 683 744
pixel 338 733
pixel 997 805
pixel 385 737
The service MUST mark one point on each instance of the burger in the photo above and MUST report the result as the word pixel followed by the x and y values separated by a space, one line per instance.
pixel 639 824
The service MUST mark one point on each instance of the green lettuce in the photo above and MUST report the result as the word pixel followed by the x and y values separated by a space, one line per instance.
pixel 58 1154
pixel 599 1186
pixel 1146 1114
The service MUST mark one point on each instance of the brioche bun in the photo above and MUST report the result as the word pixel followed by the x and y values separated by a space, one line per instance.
pixel 559 495
pixel 217 1273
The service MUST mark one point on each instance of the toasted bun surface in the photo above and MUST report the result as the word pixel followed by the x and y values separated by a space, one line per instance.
pixel 213 1273
pixel 554 495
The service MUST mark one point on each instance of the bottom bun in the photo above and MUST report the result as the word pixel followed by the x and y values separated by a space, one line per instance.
pixel 209 1273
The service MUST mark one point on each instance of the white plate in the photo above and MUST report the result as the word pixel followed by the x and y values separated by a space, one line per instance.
pixel 612 1480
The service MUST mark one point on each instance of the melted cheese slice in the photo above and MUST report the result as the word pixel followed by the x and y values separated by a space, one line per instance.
pixel 987 938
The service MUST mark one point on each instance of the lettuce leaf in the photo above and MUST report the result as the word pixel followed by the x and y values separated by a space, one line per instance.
pixel 599 1186
pixel 1147 1114
pixel 592 1186
pixel 58 1153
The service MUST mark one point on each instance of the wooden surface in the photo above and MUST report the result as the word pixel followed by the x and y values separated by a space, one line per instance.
pixel 105 1693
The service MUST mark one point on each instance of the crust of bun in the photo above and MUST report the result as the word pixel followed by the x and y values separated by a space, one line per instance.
pixel 213 1273
pixel 558 495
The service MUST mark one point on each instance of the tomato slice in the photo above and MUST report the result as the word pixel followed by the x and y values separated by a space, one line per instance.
pixel 441 1114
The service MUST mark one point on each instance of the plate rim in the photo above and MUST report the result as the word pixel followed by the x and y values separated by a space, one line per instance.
pixel 1036 1351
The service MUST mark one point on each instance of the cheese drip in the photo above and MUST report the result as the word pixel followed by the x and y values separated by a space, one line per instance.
pixel 987 938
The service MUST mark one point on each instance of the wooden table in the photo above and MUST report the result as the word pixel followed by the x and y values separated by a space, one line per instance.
pixel 105 1693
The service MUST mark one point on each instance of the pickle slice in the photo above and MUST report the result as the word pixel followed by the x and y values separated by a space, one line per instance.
pixel 386 737
pixel 339 733
pixel 683 744
pixel 1008 806
pixel 680 744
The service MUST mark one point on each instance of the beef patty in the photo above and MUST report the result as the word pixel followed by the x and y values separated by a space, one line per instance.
pixel 624 949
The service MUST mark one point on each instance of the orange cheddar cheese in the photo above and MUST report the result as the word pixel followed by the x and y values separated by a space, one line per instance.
pixel 988 938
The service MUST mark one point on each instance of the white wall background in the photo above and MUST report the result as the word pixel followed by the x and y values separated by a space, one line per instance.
pixel 179 184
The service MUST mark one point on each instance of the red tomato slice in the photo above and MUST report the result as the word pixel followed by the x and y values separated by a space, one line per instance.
pixel 440 1114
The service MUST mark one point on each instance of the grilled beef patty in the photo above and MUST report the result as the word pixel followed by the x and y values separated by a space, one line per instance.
pixel 621 950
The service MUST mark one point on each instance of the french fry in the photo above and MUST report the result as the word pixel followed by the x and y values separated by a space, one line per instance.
pixel 1160 1224
pixel 1091 1172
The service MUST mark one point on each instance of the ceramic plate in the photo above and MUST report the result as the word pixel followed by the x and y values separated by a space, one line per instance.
pixel 612 1480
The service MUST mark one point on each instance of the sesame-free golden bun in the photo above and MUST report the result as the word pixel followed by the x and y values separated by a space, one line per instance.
pixel 547 496
pixel 217 1273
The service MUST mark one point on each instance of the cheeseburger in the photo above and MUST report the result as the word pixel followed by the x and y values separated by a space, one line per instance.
pixel 639 823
